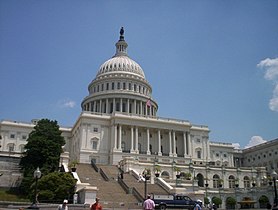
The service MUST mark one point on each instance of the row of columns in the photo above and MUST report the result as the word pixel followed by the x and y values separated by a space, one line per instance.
pixel 125 105
pixel 117 133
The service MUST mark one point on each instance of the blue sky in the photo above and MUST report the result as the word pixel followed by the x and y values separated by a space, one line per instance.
pixel 213 63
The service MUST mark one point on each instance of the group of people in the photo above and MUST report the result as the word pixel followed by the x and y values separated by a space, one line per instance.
pixel 94 206
pixel 147 205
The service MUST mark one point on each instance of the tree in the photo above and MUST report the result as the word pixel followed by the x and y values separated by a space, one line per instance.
pixel 217 201
pixel 43 150
pixel 230 202
pixel 56 186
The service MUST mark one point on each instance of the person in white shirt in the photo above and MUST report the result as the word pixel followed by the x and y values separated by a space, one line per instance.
pixel 63 206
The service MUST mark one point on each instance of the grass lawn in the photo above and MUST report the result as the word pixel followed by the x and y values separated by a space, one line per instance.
pixel 6 195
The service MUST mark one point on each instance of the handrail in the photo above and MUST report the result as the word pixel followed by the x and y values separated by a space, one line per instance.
pixel 137 194
pixel 103 174
pixel 94 166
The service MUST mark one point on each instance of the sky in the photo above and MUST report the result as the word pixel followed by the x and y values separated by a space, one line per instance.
pixel 213 63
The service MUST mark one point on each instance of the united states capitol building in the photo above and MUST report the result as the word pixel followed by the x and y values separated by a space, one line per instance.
pixel 119 126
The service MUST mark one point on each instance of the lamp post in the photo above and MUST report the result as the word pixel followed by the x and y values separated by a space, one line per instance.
pixel 37 175
pixel 147 176
pixel 274 176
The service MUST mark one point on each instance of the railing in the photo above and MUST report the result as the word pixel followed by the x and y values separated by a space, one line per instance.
pixel 105 177
pixel 94 166
pixel 137 194
pixel 124 185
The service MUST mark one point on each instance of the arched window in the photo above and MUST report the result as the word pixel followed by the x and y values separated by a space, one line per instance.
pixel 246 182
pixel 200 178
pixel 216 181
pixel 94 143
pixel 231 181
pixel 21 148
pixel 165 175
pixel 11 147
pixel 198 152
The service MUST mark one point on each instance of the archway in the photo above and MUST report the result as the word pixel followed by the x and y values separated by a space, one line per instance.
pixel 200 179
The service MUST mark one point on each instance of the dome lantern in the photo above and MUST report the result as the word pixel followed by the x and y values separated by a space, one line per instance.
pixel 121 45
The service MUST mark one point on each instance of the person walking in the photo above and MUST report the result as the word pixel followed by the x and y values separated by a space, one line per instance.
pixel 96 205
pixel 197 206
pixel 63 206
pixel 149 203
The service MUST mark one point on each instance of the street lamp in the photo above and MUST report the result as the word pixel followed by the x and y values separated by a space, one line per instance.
pixel 274 176
pixel 147 176
pixel 37 175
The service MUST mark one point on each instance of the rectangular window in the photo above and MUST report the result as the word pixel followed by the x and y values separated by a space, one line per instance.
pixel 24 137
pixel 107 86
pixel 102 87
pixel 95 129
pixel 124 86
pixel 12 136
pixel 119 85
pixel 94 146
pixel 199 154
pixel 129 86
pixel 112 85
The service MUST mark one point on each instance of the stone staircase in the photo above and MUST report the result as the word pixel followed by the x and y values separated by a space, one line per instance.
pixel 110 192
pixel 131 181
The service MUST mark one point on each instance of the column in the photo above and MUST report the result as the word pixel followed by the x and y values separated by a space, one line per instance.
pixel 100 106
pixel 174 144
pixel 115 137
pixel 189 144
pixel 148 142
pixel 120 138
pixel 170 144
pixel 95 106
pixel 127 107
pixel 135 107
pixel 159 143
pixel 121 105
pixel 107 105
pixel 184 144
pixel 136 140
pixel 114 104
pixel 131 143
pixel 141 108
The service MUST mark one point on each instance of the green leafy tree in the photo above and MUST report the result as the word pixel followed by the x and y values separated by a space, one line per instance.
pixel 56 186
pixel 43 150
pixel 206 201
pixel 217 201
pixel 230 202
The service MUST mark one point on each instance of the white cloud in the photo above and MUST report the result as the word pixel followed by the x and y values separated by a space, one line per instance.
pixel 271 73
pixel 236 145
pixel 255 140
pixel 67 103
pixel 273 103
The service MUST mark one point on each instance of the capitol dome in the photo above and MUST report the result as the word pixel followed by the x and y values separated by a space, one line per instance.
pixel 120 62
pixel 120 86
